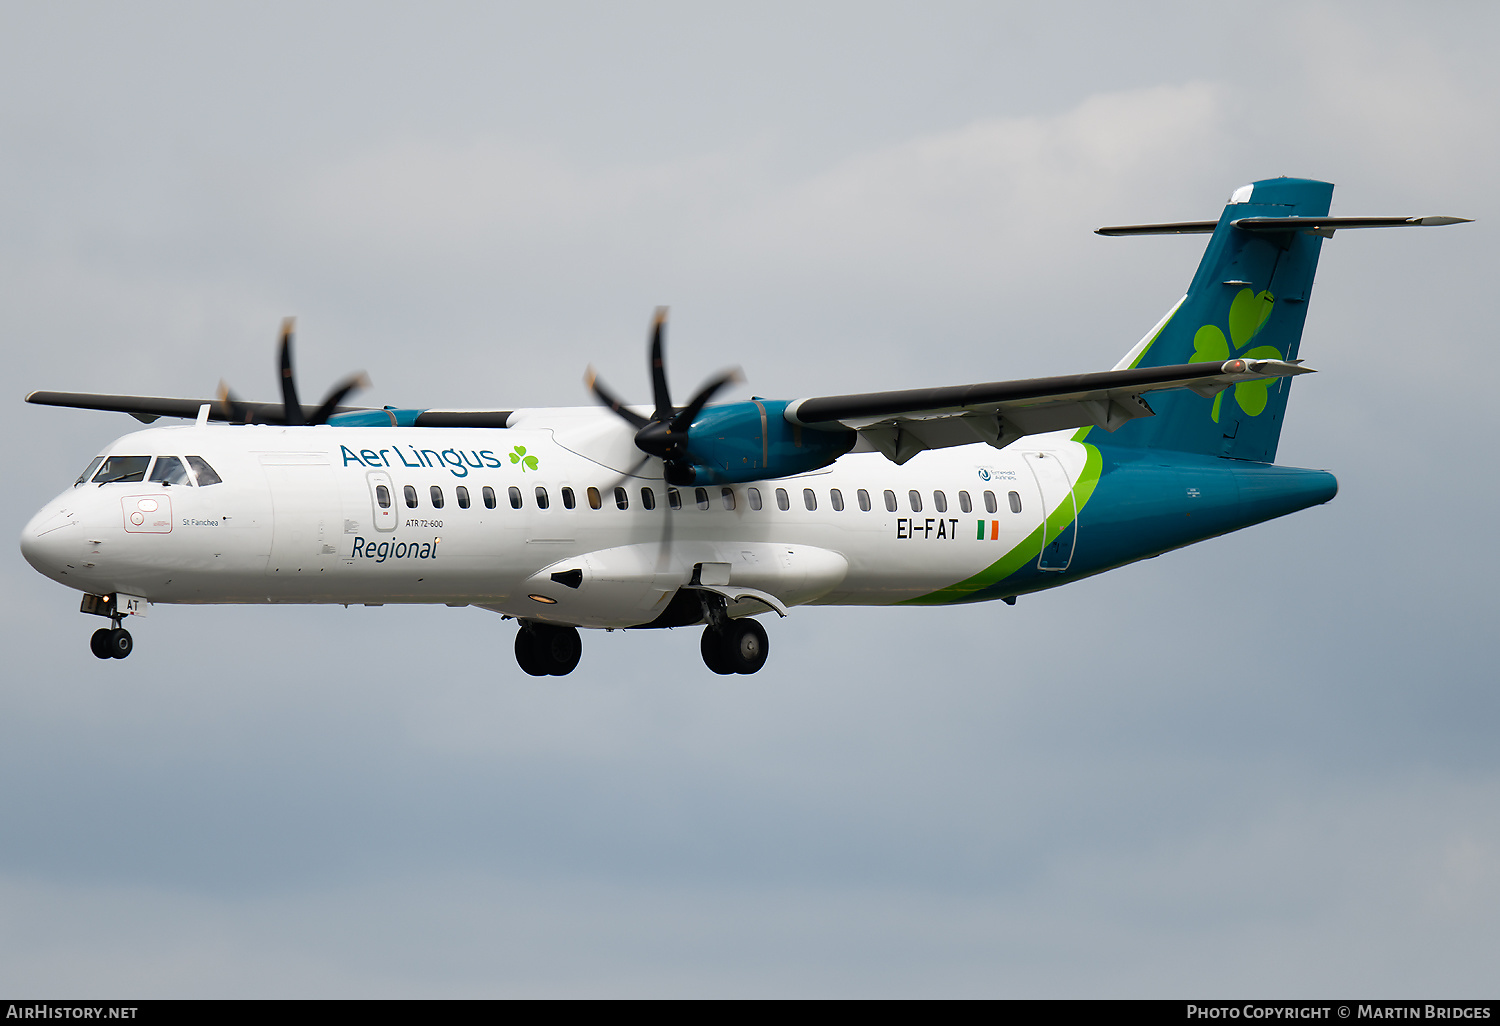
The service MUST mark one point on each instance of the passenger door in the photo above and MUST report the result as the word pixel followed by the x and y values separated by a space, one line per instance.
pixel 382 501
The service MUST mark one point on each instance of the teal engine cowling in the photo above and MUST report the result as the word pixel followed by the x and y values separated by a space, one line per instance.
pixel 752 440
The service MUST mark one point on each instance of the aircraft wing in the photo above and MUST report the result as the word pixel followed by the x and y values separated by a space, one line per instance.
pixel 902 424
pixel 148 408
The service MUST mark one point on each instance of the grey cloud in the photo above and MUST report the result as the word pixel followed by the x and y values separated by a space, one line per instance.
pixel 1260 765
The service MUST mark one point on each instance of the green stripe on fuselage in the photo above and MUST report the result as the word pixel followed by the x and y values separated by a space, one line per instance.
pixel 1030 548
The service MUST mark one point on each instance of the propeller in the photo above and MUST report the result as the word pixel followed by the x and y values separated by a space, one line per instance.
pixel 667 433
pixel 292 411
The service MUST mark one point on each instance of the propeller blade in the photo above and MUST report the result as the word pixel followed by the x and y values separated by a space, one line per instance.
pixel 665 435
pixel 689 413
pixel 591 379
pixel 291 408
pixel 659 390
pixel 331 401
pixel 608 491
pixel 664 548
pixel 230 408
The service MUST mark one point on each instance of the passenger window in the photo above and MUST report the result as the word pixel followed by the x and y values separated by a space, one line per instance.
pixel 965 503
pixel 170 471
pixel 989 501
pixel 463 496
pixel 203 472
pixel 701 495
pixel 489 497
pixel 515 497
pixel 436 494
pixel 754 498
pixel 89 471
pixel 837 498
pixel 864 499
pixel 1015 502
pixel 541 498
pixel 726 496
pixel 622 498
pixel 568 500
pixel 809 499
pixel 674 498
pixel 940 502
pixel 783 502
pixel 122 468
pixel 915 498
pixel 411 496
pixel 383 496
pixel 890 501
pixel 648 498
pixel 594 500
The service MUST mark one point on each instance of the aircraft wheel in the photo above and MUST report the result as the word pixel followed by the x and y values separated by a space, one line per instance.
pixel 543 649
pixel 527 655
pixel 99 643
pixel 715 652
pixel 120 643
pixel 746 645
pixel 562 647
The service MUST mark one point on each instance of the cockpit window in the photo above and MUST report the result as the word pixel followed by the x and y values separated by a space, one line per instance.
pixel 122 468
pixel 88 471
pixel 170 471
pixel 203 472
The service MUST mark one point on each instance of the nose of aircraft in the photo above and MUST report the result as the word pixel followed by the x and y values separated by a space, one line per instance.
pixel 48 540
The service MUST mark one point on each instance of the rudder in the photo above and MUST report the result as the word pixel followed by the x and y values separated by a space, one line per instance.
pixel 1247 300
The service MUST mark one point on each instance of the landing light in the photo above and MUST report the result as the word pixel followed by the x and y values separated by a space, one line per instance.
pixel 543 599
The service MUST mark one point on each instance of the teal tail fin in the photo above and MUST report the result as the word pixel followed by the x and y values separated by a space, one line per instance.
pixel 1248 299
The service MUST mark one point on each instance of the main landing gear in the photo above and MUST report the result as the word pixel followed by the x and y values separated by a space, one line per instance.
pixel 731 646
pixel 740 647
pixel 547 650
pixel 111 642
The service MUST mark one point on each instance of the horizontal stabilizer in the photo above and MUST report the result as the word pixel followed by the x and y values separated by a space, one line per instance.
pixel 1171 228
pixel 1322 225
pixel 1328 225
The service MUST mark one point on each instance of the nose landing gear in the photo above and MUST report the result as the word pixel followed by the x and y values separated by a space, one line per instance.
pixel 547 650
pixel 114 641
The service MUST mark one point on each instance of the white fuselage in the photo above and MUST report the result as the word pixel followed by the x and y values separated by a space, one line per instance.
pixel 377 515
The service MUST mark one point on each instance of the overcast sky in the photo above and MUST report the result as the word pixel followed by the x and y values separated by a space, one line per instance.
pixel 1264 765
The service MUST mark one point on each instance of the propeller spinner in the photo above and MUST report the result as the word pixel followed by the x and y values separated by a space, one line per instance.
pixel 292 411
pixel 667 434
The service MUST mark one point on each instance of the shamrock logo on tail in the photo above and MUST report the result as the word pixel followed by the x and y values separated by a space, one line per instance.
pixel 526 462
pixel 1247 315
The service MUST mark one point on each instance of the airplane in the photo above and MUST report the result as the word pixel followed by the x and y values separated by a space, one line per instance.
pixel 618 516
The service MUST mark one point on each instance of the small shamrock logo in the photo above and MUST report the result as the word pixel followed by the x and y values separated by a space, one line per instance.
pixel 526 462
pixel 1247 315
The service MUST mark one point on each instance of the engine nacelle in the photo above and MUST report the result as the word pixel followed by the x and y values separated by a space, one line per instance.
pixel 752 440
